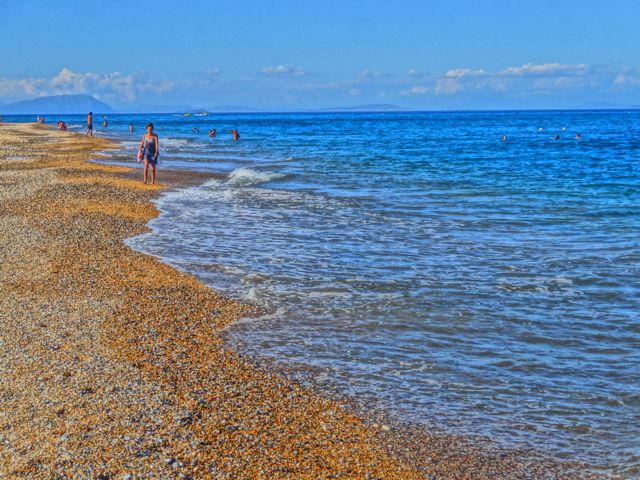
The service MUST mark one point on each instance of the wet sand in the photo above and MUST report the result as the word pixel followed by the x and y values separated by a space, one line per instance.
pixel 112 364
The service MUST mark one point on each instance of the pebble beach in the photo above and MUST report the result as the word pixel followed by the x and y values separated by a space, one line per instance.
pixel 112 364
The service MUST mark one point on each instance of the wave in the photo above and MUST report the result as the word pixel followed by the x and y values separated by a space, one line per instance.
pixel 172 142
pixel 249 176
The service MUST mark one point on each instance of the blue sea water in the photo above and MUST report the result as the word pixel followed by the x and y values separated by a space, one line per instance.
pixel 418 261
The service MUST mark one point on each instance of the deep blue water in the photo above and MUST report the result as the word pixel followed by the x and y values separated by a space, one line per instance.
pixel 420 262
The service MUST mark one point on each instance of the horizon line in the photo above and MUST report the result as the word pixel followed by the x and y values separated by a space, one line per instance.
pixel 347 110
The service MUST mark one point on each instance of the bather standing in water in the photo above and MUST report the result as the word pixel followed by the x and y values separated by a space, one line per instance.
pixel 150 148
pixel 89 125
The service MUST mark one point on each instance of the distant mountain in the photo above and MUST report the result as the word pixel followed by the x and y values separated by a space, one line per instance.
pixel 57 104
pixel 374 107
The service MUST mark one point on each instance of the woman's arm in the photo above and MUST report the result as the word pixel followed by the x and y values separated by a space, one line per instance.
pixel 157 147
pixel 142 142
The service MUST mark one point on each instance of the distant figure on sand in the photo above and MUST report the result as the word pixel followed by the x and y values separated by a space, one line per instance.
pixel 89 125
pixel 212 133
pixel 62 126
pixel 236 135
pixel 131 128
pixel 150 148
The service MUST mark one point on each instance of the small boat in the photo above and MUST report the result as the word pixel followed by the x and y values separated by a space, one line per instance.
pixel 202 114
pixel 186 114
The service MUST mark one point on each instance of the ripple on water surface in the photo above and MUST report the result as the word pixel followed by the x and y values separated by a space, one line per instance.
pixel 484 286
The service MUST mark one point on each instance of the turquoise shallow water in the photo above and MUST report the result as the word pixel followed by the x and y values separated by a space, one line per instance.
pixel 419 262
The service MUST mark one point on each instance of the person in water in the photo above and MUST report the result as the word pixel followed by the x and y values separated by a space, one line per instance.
pixel 557 137
pixel 236 135
pixel 194 130
pixel 150 148
pixel 89 125
pixel 212 133
pixel 105 124
pixel 578 136
pixel 504 138
pixel 131 128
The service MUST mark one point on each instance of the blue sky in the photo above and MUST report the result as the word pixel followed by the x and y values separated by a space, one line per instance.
pixel 286 54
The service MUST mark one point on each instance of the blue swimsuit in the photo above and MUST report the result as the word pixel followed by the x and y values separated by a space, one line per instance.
pixel 150 149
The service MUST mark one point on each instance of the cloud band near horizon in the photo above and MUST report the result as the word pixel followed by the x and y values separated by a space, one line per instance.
pixel 287 85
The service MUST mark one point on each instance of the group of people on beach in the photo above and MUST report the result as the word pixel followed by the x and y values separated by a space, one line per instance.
pixel 89 133
pixel 213 132
pixel 149 147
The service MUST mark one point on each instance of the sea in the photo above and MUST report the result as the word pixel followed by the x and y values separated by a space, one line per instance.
pixel 421 263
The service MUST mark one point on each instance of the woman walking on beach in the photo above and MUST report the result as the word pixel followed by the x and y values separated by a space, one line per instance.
pixel 150 149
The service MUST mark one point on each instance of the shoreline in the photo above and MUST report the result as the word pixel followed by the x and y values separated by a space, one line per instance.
pixel 113 362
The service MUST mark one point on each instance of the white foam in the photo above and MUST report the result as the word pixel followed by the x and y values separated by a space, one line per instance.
pixel 249 176
pixel 251 295
pixel 173 143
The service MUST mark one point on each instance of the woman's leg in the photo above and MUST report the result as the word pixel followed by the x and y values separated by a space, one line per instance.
pixel 146 168
pixel 153 174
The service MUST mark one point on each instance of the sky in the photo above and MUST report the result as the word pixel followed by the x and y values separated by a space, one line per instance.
pixel 287 55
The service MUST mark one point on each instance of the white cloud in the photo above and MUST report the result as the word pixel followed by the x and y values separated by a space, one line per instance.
pixel 447 86
pixel 10 87
pixel 416 90
pixel 283 85
pixel 627 77
pixel 365 74
pixel 283 70
pixel 528 80
pixel 464 72
pixel 113 85
pixel 545 69
pixel 417 74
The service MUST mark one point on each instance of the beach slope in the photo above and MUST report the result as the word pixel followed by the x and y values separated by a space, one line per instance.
pixel 110 361
pixel 112 365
